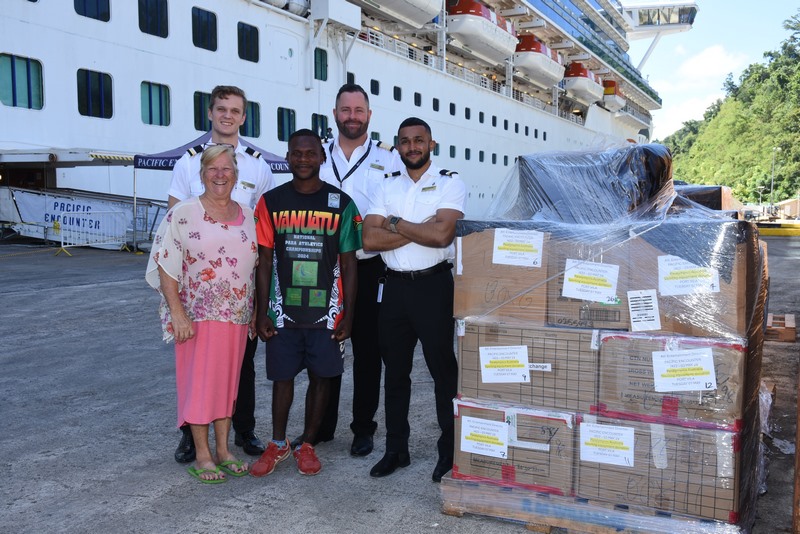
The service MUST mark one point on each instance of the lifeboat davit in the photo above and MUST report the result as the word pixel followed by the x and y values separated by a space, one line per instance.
pixel 542 65
pixel 415 13
pixel 612 99
pixel 582 84
pixel 481 30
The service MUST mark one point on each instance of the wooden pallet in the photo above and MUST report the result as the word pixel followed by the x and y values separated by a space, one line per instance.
pixel 781 328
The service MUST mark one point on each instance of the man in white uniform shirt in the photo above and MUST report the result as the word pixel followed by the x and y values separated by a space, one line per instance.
pixel 412 221
pixel 357 164
pixel 227 112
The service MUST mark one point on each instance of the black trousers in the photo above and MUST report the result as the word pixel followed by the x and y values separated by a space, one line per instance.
pixel 367 364
pixel 244 419
pixel 418 310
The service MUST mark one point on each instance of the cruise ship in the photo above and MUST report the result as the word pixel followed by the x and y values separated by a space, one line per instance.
pixel 85 85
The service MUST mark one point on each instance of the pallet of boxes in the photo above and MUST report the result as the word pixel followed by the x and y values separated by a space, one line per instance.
pixel 609 344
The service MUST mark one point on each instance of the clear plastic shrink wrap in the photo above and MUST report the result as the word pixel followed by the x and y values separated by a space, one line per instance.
pixel 608 324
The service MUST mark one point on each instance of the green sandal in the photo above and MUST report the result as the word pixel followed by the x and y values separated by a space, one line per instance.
pixel 196 473
pixel 225 467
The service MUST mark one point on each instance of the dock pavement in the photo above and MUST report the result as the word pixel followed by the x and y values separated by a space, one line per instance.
pixel 87 395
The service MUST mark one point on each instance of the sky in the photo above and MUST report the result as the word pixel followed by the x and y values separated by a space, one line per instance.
pixel 688 69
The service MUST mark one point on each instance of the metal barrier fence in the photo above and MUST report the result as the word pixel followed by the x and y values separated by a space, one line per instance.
pixel 102 229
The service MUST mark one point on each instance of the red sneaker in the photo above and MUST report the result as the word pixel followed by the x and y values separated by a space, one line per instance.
pixel 307 461
pixel 271 457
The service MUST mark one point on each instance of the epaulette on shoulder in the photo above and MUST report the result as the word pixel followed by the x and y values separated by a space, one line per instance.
pixel 445 172
pixel 392 174
pixel 195 150
pixel 385 146
pixel 252 152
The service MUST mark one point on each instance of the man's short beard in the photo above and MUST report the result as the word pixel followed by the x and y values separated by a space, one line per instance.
pixel 343 130
pixel 426 157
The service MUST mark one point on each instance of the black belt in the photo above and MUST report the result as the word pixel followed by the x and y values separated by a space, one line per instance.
pixel 422 273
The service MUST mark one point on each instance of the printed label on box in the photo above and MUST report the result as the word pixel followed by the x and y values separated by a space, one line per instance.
pixel 586 280
pixel 479 436
pixel 607 444
pixel 540 367
pixel 517 247
pixel 677 276
pixel 643 307
pixel 504 364
pixel 684 370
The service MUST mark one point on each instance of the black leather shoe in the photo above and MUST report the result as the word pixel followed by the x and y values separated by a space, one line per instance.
pixel 185 453
pixel 362 445
pixel 389 464
pixel 444 465
pixel 250 443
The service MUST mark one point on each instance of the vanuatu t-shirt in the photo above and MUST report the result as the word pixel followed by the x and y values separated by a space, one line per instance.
pixel 307 232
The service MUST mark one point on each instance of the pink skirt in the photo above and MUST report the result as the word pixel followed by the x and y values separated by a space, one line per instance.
pixel 207 369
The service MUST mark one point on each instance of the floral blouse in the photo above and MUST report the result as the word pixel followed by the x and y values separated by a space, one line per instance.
pixel 213 263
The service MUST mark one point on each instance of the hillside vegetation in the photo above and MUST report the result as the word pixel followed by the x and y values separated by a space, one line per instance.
pixel 759 118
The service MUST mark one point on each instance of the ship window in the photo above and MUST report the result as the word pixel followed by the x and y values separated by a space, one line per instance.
pixel 452 151
pixel 527 131
pixel 516 127
pixel 417 99
pixel 21 82
pixel 375 87
pixel 480 117
pixel 480 156
pixel 505 124
pixel 505 161
pixel 544 136
pixel 320 64
pixel 319 123
pixel 286 123
pixel 395 140
pixel 536 133
pixel 494 159
pixel 153 18
pixel 467 153
pixel 95 94
pixel 94 9
pixel 494 121
pixel 375 136
pixel 436 149
pixel 452 109
pixel 435 104
pixel 398 93
pixel 248 42
pixel 351 78
pixel 202 101
pixel 467 113
pixel 204 29
pixel 155 103
pixel 252 121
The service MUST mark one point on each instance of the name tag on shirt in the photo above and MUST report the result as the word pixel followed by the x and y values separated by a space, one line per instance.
pixel 333 200
pixel 247 185
pixel 377 166
pixel 429 188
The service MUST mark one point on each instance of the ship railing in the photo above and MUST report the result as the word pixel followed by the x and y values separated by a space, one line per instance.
pixel 105 229
pixel 632 109
pixel 425 57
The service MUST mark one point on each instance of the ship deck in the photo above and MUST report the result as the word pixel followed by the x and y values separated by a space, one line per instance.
pixel 88 399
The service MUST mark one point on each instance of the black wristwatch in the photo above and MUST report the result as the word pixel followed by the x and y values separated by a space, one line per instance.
pixel 393 224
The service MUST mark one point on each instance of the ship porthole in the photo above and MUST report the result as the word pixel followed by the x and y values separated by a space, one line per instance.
pixel 291 52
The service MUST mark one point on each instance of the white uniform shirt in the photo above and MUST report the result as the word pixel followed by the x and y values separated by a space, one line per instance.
pixel 364 182
pixel 255 178
pixel 416 202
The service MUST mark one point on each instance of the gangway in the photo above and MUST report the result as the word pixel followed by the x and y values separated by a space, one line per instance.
pixel 656 19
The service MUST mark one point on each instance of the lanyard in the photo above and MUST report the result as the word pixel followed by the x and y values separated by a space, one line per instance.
pixel 353 168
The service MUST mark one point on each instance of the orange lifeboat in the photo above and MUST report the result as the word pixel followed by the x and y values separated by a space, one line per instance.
pixel 612 99
pixel 480 30
pixel 542 65
pixel 582 84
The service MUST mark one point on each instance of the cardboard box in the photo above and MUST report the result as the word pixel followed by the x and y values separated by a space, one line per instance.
pixel 543 367
pixel 588 282
pixel 680 380
pixel 663 467
pixel 514 446
pixel 500 275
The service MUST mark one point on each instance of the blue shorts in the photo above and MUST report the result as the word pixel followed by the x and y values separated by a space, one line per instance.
pixel 295 349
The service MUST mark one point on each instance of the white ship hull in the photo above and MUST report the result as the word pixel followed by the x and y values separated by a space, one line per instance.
pixel 481 150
